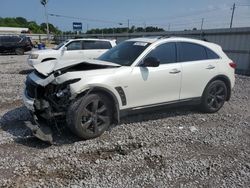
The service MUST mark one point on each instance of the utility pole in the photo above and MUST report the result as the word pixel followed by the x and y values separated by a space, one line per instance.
pixel 232 17
pixel 87 27
pixel 202 22
pixel 145 26
pixel 44 3
pixel 169 26
pixel 128 25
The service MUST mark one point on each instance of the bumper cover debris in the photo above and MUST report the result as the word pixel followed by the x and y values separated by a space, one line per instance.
pixel 40 130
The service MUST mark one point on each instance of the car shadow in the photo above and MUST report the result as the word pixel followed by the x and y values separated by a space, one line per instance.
pixel 161 113
pixel 13 122
pixel 25 72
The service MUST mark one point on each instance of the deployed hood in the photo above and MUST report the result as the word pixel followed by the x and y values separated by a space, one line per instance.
pixel 48 67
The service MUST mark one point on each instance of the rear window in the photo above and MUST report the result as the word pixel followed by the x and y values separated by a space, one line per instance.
pixel 191 52
pixel 92 45
pixel 10 39
pixel 211 54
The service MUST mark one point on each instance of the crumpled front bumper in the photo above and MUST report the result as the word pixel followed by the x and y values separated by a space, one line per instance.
pixel 39 129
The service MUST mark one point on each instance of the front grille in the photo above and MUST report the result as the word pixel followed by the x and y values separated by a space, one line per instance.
pixel 33 90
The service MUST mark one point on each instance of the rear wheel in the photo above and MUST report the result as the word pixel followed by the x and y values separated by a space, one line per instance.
pixel 90 116
pixel 19 51
pixel 214 96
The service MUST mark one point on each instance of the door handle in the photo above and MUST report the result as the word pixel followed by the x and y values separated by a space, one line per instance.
pixel 174 71
pixel 210 67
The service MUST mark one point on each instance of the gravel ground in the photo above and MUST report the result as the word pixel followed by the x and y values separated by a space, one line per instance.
pixel 168 148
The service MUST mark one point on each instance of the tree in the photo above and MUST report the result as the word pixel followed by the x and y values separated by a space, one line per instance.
pixel 52 28
pixel 32 25
pixel 21 21
pixel 124 30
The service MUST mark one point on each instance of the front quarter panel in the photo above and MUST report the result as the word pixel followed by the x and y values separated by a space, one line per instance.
pixel 103 79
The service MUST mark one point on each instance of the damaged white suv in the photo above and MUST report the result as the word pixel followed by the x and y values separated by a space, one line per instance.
pixel 133 76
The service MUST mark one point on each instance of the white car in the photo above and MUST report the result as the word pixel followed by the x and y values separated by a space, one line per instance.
pixel 72 49
pixel 136 75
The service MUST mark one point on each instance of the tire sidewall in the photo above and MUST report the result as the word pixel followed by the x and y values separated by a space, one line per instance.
pixel 204 105
pixel 77 112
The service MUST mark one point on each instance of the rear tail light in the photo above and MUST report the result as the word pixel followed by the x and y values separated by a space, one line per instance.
pixel 233 65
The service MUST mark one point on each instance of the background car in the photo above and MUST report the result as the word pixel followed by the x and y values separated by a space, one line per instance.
pixel 15 44
pixel 73 49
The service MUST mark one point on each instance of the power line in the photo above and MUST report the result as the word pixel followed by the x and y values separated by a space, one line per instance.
pixel 239 5
pixel 86 19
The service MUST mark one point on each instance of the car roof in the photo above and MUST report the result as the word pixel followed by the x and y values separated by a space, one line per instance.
pixel 169 39
pixel 145 39
pixel 92 39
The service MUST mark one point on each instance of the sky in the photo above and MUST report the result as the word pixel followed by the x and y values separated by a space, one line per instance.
pixel 167 14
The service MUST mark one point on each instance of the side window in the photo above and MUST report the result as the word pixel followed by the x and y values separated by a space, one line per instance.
pixel 211 54
pixel 191 52
pixel 105 45
pixel 165 53
pixel 75 45
pixel 92 45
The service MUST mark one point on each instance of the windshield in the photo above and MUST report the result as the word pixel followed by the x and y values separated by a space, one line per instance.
pixel 124 53
pixel 60 45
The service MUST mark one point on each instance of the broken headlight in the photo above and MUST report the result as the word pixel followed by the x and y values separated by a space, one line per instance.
pixel 33 56
pixel 64 89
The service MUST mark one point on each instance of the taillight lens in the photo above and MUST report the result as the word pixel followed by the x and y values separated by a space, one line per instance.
pixel 233 65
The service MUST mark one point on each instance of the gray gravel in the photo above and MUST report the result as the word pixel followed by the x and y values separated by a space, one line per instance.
pixel 168 148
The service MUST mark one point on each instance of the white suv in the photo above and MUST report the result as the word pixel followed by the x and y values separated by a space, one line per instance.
pixel 75 49
pixel 133 76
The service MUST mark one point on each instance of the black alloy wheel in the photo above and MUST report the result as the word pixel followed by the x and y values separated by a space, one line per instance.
pixel 214 96
pixel 90 116
pixel 95 116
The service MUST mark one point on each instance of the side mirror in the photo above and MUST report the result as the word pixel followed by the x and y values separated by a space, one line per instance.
pixel 150 62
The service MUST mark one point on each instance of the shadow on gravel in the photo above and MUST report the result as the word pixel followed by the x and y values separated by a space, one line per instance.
pixel 24 72
pixel 13 122
pixel 159 114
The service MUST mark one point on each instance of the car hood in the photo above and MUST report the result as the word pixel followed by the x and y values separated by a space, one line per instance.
pixel 48 67
pixel 46 51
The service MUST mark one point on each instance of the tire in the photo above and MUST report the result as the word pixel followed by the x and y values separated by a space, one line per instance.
pixel 19 51
pixel 214 96
pixel 90 116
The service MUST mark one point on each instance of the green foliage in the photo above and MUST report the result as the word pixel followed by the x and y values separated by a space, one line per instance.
pixel 124 30
pixel 32 25
pixel 52 28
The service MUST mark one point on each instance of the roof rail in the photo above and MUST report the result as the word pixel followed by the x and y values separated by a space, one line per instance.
pixel 157 37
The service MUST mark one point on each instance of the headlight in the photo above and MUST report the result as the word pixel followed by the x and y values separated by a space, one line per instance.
pixel 33 56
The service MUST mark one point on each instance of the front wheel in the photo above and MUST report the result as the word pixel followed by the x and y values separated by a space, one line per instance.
pixel 214 96
pixel 90 116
